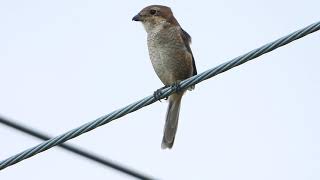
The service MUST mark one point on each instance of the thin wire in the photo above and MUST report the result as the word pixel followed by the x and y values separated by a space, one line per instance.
pixel 164 93
pixel 75 150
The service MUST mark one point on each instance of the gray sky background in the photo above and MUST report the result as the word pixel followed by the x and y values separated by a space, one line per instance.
pixel 64 63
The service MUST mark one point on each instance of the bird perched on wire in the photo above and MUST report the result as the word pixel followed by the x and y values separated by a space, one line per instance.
pixel 171 58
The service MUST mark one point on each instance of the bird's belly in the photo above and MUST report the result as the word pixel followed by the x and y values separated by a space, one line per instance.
pixel 170 64
pixel 169 57
pixel 162 65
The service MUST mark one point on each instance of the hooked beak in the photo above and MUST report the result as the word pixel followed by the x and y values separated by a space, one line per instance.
pixel 136 18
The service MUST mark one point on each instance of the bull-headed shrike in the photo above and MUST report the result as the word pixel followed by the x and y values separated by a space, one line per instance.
pixel 171 58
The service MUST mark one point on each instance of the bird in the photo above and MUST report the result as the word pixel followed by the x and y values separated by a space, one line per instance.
pixel 171 57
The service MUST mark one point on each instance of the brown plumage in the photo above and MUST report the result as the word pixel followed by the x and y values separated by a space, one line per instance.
pixel 171 58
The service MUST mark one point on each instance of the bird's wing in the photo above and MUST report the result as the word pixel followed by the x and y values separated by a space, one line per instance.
pixel 187 40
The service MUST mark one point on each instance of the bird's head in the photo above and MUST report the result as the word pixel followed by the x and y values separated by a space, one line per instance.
pixel 156 16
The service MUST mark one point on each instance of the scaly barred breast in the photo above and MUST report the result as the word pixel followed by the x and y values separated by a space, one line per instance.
pixel 169 55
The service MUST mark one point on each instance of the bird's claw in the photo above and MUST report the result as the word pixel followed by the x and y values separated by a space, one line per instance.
pixel 157 94
pixel 176 87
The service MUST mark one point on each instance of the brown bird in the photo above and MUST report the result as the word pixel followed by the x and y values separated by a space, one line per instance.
pixel 171 58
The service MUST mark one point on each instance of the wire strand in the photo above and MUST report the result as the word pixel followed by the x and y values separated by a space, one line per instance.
pixel 164 93
pixel 75 150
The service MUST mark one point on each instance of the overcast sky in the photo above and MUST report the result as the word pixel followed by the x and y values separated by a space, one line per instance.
pixel 64 63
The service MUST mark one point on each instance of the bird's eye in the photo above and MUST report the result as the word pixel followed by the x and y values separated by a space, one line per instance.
pixel 153 12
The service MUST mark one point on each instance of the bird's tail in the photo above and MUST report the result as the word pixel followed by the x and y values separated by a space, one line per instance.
pixel 172 117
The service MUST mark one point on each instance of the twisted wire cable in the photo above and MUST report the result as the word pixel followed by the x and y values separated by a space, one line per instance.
pixel 75 150
pixel 164 93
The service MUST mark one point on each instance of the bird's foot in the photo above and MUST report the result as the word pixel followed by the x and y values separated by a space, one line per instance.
pixel 176 86
pixel 158 93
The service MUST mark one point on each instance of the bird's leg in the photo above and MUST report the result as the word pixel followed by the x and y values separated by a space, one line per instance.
pixel 158 93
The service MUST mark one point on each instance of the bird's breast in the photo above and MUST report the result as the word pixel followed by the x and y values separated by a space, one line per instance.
pixel 169 57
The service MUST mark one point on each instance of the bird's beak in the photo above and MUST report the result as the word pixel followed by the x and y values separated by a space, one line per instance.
pixel 136 18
